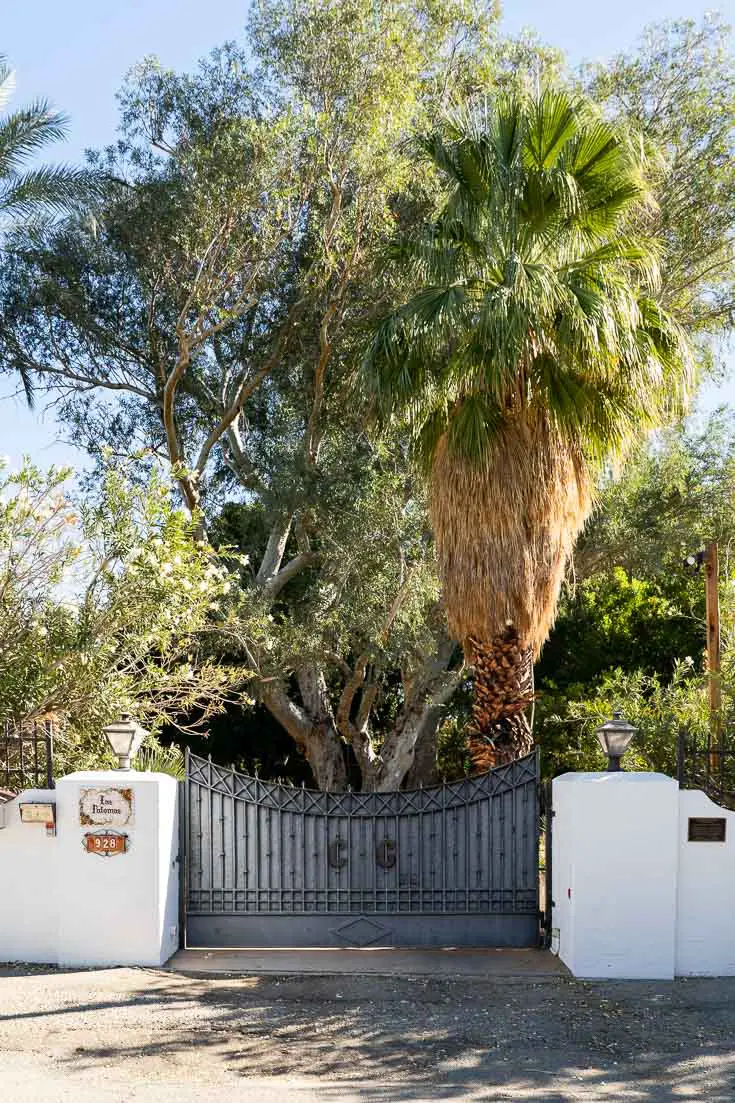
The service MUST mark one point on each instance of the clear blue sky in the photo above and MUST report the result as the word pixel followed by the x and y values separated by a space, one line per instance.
pixel 76 52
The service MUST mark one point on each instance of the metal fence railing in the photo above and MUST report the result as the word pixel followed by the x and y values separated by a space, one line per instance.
pixel 26 756
pixel 709 766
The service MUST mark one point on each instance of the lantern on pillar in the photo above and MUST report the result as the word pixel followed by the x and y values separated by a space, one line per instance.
pixel 125 737
pixel 614 736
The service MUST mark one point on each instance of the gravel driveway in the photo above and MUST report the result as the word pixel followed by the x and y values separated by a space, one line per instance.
pixel 147 1035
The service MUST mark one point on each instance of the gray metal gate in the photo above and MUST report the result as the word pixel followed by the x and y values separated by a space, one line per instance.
pixel 272 865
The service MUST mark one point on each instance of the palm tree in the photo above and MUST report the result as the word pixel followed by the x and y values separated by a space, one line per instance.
pixel 531 350
pixel 24 191
pixel 23 134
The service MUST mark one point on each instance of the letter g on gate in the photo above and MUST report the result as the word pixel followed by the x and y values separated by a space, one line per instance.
pixel 386 853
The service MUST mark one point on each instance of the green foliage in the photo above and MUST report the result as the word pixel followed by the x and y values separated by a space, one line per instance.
pixel 631 630
pixel 369 544
pixel 209 307
pixel 677 493
pixel 529 293
pixel 106 607
pixel 612 620
pixel 218 295
pixel 157 759
pixel 678 89
pixel 30 193
pixel 659 708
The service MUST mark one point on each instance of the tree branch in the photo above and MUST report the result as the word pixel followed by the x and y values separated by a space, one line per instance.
pixel 275 548
pixel 272 588
pixel 95 381
pixel 286 712
pixel 247 386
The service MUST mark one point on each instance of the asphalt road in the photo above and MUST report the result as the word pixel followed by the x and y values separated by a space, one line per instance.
pixel 147 1035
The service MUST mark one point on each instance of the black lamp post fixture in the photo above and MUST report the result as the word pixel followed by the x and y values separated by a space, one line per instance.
pixel 125 737
pixel 614 736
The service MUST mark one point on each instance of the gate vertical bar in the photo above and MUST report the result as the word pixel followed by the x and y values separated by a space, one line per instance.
pixel 180 800
pixel 184 867
pixel 467 855
pixel 233 844
pixel 521 837
pixel 349 864
pixel 210 830
pixel 548 849
pixel 420 847
pixel 222 854
pixel 50 757
pixel 443 824
pixel 200 839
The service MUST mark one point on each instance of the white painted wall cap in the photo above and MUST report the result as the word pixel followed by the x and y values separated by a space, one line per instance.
pixel 115 777
pixel 614 777
pixel 29 795
pixel 697 797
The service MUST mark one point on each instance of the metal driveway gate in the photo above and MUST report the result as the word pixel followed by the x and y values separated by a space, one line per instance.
pixel 272 865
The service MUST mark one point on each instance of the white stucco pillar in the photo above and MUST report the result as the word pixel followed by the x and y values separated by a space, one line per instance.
pixel 118 903
pixel 614 874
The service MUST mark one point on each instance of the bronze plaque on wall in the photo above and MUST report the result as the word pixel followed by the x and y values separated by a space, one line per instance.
pixel 707 829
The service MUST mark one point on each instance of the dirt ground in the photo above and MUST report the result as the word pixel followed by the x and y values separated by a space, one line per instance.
pixel 124 1035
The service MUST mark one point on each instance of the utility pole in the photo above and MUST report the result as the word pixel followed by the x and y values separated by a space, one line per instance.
pixel 712 599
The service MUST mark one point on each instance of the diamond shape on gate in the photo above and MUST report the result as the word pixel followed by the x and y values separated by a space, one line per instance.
pixel 361 931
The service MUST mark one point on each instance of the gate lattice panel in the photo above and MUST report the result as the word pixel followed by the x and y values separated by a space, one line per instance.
pixel 273 865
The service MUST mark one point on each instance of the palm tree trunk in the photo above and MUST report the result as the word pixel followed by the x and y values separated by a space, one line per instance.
pixel 503 673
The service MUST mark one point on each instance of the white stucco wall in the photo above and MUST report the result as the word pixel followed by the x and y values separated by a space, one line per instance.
pixel 112 910
pixel 29 918
pixel 705 932
pixel 614 874
pixel 633 897
pixel 62 905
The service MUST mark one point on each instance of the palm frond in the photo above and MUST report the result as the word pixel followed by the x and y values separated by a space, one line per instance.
pixel 154 758
pixel 59 187
pixel 7 82
pixel 31 194
pixel 25 132
pixel 531 347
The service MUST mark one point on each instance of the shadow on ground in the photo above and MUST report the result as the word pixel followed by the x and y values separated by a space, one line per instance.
pixel 419 1038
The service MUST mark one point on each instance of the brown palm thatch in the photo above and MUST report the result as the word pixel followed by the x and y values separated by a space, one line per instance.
pixel 505 529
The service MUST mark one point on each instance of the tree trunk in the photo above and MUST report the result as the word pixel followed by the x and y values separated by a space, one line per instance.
pixel 416 725
pixel 315 734
pixel 423 770
pixel 323 751
pixel 503 672
pixel 399 752
pixel 321 736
